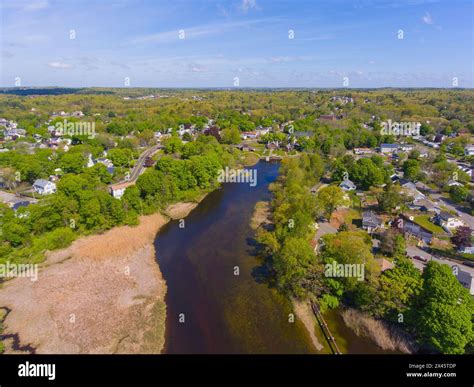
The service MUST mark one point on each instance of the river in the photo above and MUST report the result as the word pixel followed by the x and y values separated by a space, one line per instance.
pixel 210 309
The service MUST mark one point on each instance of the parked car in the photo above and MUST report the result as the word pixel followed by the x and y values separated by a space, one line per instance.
pixel 422 259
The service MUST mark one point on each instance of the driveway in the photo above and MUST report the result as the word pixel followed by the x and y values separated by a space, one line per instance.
pixel 325 228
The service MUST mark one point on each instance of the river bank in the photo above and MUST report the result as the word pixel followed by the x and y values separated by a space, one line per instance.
pixel 103 294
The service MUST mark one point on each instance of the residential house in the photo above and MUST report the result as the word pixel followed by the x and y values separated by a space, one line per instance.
pixel 469 150
pixel 448 221
pixel 466 280
pixel 424 205
pixel 327 117
pixel 406 147
pixel 384 264
pixel 370 222
pixel 466 250
pixel 452 183
pixel 348 185
pixel 248 135
pixel 410 228
pixel 388 148
pixel 363 151
pixel 117 190
pixel 245 148
pixel 409 188
pixel 44 187
pixel 272 145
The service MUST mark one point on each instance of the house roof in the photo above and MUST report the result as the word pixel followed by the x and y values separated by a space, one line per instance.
pixel 445 215
pixel 393 146
pixel 348 184
pixel 370 219
pixel 119 186
pixel 424 203
pixel 42 183
pixel 384 264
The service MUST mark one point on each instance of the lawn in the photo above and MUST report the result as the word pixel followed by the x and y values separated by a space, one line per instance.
pixel 424 221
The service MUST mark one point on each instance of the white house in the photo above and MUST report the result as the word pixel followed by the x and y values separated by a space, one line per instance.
pixel 466 250
pixel 452 183
pixel 44 187
pixel 469 150
pixel 409 188
pixel 348 185
pixel 448 221
pixel 388 148
pixel 117 190
pixel 465 278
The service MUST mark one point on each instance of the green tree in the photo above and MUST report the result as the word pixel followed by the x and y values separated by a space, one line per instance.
pixel 231 136
pixel 444 311
pixel 458 193
pixel 329 198
pixel 291 264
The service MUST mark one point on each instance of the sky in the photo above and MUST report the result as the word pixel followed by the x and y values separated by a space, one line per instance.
pixel 237 43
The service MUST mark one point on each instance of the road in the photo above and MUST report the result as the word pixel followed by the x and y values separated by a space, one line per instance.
pixel 139 168
pixel 413 250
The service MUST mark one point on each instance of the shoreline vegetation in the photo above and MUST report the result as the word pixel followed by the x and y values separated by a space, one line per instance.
pixel 102 294
pixel 100 288
pixel 262 219
pixel 387 337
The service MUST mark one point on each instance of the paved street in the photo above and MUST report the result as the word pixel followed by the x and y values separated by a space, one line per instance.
pixel 413 250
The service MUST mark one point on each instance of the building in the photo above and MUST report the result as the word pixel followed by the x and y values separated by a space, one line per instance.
pixel 409 188
pixel 466 250
pixel 424 205
pixel 452 183
pixel 348 185
pixel 448 221
pixel 465 278
pixel 248 135
pixel 410 228
pixel 371 222
pixel 388 148
pixel 117 190
pixel 363 151
pixel 384 264
pixel 44 187
pixel 406 147
pixel 469 150
pixel 327 117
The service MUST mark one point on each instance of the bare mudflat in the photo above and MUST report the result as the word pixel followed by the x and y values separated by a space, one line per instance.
pixel 103 294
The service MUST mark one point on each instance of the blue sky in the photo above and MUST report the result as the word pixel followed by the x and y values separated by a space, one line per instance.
pixel 332 42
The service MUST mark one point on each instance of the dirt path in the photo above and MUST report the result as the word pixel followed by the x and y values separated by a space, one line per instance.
pixel 103 294
pixel 305 314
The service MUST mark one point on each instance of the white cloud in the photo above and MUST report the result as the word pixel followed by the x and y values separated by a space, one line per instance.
pixel 197 68
pixel 36 5
pixel 248 4
pixel 190 33
pixel 427 19
pixel 60 65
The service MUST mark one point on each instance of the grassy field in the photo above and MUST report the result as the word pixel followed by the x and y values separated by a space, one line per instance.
pixel 424 221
